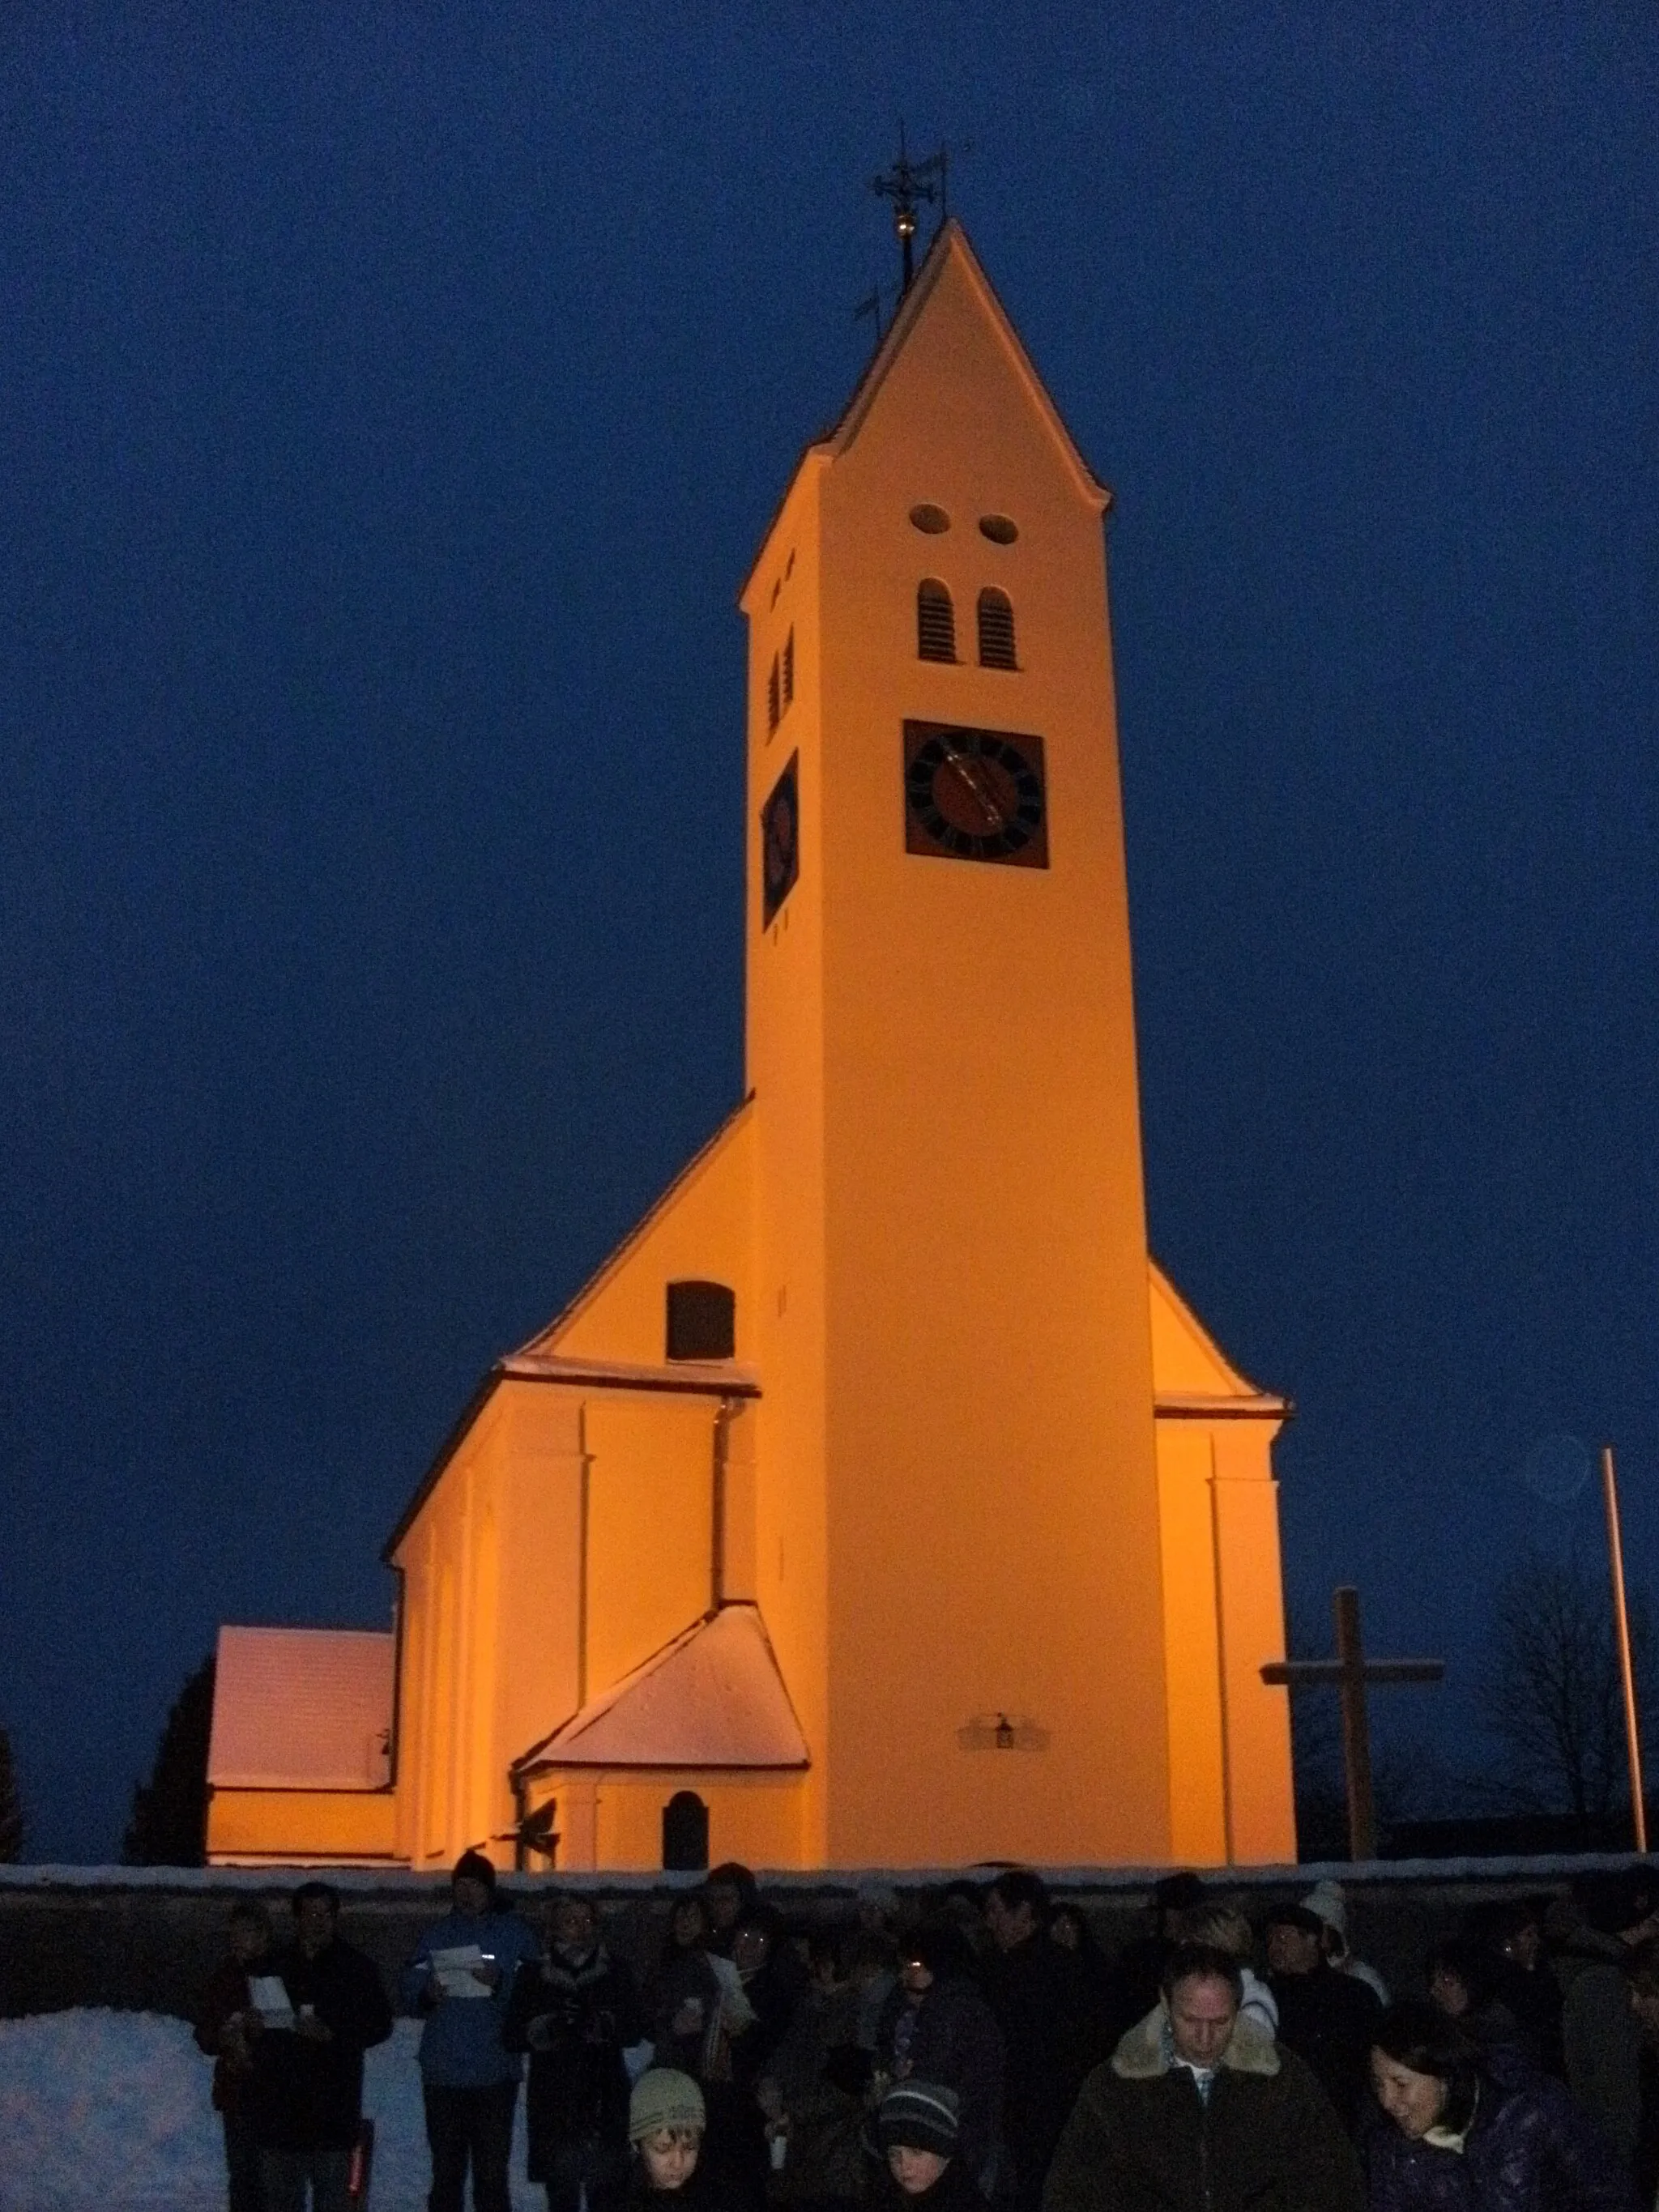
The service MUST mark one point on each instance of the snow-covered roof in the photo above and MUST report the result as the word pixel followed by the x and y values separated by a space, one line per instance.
pixel 711 1697
pixel 301 1709
pixel 705 1379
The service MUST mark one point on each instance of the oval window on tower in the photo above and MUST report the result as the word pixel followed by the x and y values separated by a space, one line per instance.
pixel 1001 529
pixel 932 520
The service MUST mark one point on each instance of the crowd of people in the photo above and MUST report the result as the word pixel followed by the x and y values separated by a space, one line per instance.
pixel 988 2056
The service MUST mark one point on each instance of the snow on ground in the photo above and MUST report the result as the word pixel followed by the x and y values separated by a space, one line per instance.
pixel 108 2111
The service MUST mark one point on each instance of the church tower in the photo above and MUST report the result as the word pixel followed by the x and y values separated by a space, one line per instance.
pixel 960 1525
pixel 879 1503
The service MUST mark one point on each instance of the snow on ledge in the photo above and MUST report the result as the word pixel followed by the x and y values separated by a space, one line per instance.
pixel 1371 1873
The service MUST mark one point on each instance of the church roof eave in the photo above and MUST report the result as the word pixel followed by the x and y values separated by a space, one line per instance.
pixel 1237 1397
pixel 1219 1406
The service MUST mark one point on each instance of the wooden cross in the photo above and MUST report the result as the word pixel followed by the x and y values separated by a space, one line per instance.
pixel 1351 1672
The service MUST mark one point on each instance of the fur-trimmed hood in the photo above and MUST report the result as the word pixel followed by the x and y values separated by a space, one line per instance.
pixel 1144 2055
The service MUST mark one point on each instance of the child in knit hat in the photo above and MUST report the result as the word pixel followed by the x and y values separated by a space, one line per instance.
pixel 665 2121
pixel 917 2127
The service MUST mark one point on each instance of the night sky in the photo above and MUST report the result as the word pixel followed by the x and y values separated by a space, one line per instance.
pixel 392 399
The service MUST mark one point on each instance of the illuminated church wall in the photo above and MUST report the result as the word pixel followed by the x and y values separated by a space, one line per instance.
pixel 1229 1741
pixel 489 1644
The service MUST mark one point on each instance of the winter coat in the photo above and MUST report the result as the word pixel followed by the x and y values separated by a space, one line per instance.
pixel 701 2193
pixel 772 1993
pixel 1328 2018
pixel 1136 1975
pixel 1533 1996
pixel 225 1997
pixel 816 2068
pixel 1528 2149
pixel 684 1975
pixel 461 2045
pixel 955 2190
pixel 575 2018
pixel 955 2042
pixel 1601 2038
pixel 1257 2001
pixel 1142 2139
pixel 308 2095
pixel 1038 1998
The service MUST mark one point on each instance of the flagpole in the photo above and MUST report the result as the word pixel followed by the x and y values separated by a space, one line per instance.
pixel 1621 1629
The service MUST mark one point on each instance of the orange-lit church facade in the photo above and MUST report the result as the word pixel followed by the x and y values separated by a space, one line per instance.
pixel 879 1492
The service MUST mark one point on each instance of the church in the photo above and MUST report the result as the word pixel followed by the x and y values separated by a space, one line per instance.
pixel 879 1502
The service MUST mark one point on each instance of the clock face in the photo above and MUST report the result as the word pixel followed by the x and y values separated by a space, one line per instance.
pixel 780 825
pixel 974 794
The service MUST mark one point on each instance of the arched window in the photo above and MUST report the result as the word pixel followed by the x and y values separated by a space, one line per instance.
pixel 936 622
pixel 996 630
pixel 685 1834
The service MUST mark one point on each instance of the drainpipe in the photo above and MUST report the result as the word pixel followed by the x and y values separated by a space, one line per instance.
pixel 521 1789
pixel 723 1419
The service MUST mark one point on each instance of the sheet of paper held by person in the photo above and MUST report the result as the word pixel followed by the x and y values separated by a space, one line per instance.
pixel 453 1968
pixel 271 2000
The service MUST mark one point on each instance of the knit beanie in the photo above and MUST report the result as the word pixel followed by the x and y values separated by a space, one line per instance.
pixel 664 2098
pixel 919 2116
pixel 473 1866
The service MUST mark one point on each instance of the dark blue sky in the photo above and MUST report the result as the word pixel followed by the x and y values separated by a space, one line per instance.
pixel 390 401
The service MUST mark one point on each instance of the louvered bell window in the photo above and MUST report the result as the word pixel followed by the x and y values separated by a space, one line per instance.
pixel 773 709
pixel 936 622
pixel 996 630
pixel 788 669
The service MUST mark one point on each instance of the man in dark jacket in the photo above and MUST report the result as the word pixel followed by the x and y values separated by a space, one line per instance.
pixel 306 2094
pixel 1036 1992
pixel 1600 2034
pixel 1198 2111
pixel 576 2011
pixel 1325 2017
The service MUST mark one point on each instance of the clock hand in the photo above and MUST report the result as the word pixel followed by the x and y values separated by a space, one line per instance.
pixel 969 776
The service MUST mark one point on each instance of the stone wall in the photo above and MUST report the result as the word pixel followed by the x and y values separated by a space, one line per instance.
pixel 146 1940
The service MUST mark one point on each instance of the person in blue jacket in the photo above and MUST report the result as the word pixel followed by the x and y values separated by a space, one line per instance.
pixel 469 2079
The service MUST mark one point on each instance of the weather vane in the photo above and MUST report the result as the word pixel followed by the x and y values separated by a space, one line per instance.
pixel 907 183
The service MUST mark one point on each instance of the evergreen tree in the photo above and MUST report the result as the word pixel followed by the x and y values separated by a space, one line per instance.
pixel 11 1806
pixel 168 1826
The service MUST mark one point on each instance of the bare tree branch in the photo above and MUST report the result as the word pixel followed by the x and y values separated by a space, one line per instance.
pixel 1550 1692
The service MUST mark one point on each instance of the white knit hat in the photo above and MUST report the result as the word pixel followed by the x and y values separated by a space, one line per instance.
pixel 1326 1900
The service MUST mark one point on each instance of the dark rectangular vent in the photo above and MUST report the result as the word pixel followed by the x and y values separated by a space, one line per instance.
pixel 703 1321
